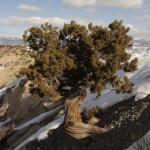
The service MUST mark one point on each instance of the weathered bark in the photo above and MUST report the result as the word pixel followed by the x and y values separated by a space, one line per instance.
pixel 73 124
pixel 72 111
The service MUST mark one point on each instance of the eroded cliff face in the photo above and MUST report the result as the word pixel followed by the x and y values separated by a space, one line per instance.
pixel 12 58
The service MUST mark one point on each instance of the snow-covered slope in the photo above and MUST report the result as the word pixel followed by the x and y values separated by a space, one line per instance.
pixel 140 78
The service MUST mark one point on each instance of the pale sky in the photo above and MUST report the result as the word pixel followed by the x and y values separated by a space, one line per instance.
pixel 18 15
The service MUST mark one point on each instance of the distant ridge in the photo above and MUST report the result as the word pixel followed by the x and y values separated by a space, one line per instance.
pixel 19 41
pixel 11 41
pixel 142 42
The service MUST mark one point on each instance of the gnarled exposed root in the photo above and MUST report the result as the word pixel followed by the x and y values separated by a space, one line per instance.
pixel 82 130
pixel 73 124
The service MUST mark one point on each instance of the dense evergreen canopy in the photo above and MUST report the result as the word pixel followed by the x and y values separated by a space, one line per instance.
pixel 77 55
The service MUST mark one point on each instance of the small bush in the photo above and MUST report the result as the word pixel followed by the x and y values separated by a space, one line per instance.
pixel 132 66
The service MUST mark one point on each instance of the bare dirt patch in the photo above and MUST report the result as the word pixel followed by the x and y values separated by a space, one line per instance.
pixel 12 58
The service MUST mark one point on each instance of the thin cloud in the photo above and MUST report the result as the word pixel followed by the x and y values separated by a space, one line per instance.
pixel 59 22
pixel 122 3
pixel 28 8
pixel 55 21
pixel 80 3
pixel 14 20
pixel 109 3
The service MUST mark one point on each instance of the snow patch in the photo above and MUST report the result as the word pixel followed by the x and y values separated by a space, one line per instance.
pixel 11 85
pixel 42 133
pixel 5 122
pixel 38 118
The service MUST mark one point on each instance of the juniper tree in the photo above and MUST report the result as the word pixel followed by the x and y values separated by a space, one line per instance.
pixel 76 55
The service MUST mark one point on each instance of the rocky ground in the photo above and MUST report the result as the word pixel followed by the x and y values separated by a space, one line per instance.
pixel 129 121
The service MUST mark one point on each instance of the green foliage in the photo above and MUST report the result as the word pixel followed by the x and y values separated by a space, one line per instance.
pixel 126 85
pixel 131 66
pixel 123 85
pixel 40 38
pixel 78 56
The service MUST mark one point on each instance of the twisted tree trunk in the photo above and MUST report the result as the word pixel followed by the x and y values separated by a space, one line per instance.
pixel 73 124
